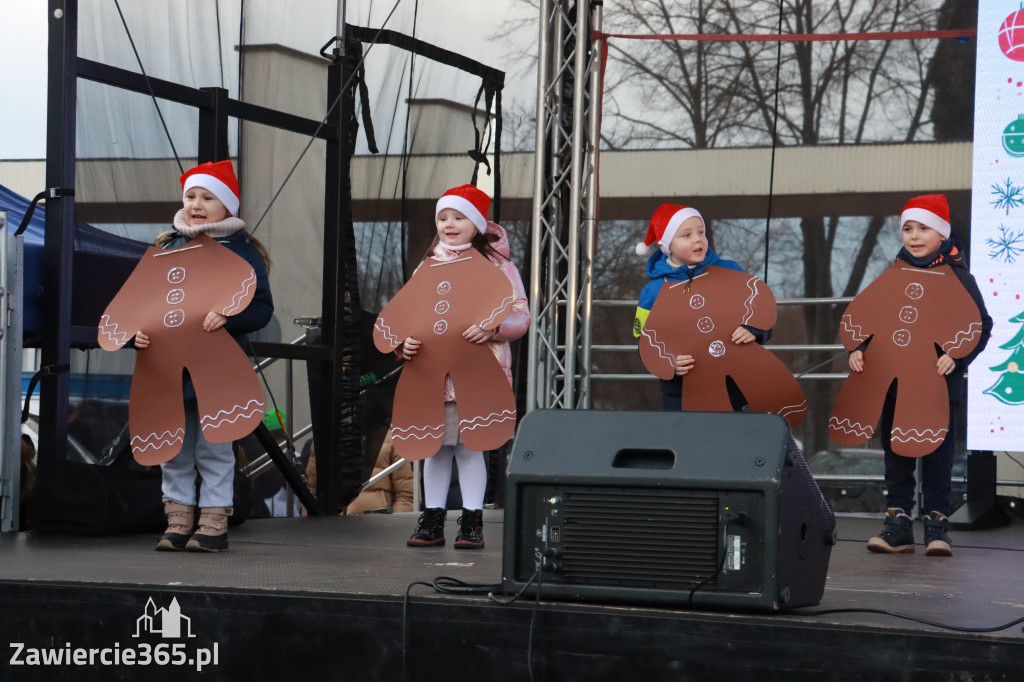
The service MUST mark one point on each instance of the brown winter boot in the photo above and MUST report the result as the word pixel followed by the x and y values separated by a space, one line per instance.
pixel 212 534
pixel 180 522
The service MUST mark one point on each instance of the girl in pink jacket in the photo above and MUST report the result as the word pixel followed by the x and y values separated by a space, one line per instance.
pixel 452 323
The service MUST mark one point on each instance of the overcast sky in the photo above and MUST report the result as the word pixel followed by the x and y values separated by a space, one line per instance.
pixel 23 79
pixel 23 52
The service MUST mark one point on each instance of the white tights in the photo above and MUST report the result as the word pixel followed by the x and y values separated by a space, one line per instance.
pixel 437 476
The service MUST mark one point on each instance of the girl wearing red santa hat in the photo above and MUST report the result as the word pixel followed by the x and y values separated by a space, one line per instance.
pixel 211 198
pixel 462 224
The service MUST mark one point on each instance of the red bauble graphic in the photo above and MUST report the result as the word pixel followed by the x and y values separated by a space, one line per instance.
pixel 1011 36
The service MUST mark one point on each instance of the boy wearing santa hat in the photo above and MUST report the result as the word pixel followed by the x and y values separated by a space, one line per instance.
pixel 927 244
pixel 683 253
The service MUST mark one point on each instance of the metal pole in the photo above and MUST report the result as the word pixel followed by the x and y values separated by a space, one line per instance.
pixel 10 356
pixel 58 247
pixel 578 148
pixel 590 213
pixel 537 232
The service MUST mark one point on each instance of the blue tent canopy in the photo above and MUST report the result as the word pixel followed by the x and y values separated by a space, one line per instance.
pixel 102 262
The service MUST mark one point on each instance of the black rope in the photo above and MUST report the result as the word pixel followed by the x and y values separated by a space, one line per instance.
pixel 150 86
pixel 406 158
pixel 775 137
pixel 479 151
pixel 330 109
pixel 27 218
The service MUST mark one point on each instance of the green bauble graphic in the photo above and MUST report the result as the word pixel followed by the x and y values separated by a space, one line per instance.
pixel 1013 137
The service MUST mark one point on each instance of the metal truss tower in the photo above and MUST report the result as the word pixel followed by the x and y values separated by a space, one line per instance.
pixel 564 205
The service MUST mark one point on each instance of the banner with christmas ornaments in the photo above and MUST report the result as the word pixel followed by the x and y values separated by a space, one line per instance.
pixel 995 415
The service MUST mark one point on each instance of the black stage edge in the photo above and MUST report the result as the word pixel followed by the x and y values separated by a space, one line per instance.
pixel 322 598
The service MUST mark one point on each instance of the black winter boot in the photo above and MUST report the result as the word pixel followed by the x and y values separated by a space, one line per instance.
pixel 471 529
pixel 212 534
pixel 936 535
pixel 897 536
pixel 430 531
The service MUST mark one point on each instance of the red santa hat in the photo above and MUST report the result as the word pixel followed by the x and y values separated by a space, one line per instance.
pixel 663 226
pixel 931 210
pixel 219 178
pixel 467 200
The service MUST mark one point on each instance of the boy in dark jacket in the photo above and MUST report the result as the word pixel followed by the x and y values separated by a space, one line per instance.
pixel 927 244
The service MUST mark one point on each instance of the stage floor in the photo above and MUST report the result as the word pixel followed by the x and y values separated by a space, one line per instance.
pixel 363 561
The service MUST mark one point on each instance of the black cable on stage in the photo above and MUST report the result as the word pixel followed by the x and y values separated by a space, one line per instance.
pixel 405 611
pixel 721 562
pixel 775 137
pixel 902 616
pixel 323 122
pixel 448 585
pixel 146 76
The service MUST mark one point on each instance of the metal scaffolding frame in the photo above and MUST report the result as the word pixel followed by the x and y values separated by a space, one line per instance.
pixel 564 205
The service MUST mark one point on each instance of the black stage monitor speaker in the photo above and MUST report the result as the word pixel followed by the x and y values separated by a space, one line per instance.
pixel 682 508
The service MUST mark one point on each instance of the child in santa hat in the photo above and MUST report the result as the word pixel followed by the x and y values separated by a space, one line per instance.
pixel 927 243
pixel 460 216
pixel 682 254
pixel 211 198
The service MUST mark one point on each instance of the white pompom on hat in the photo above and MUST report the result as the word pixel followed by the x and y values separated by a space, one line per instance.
pixel 469 201
pixel 663 226
pixel 218 178
pixel 931 210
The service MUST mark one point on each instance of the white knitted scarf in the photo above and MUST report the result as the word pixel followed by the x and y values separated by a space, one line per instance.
pixel 223 228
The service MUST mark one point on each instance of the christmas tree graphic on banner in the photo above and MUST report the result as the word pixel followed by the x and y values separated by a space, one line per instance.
pixel 1009 388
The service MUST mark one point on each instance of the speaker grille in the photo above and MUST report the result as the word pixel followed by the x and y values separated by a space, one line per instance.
pixel 640 537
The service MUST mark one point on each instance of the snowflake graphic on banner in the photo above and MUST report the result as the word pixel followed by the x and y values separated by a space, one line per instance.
pixel 1007 245
pixel 1007 196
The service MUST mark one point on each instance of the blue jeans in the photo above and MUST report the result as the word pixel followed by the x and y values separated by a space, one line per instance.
pixel 936 468
pixel 212 463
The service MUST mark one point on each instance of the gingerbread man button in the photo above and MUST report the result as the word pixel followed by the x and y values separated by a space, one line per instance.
pixel 176 275
pixel 901 337
pixel 705 325
pixel 175 296
pixel 908 314
pixel 174 318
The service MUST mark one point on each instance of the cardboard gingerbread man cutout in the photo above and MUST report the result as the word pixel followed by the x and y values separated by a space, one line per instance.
pixel 697 317
pixel 168 296
pixel 905 313
pixel 436 305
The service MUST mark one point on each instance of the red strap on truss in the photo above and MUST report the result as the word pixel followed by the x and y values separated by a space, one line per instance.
pixel 791 37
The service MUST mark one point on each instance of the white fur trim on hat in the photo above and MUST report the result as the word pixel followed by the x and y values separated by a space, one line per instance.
pixel 677 219
pixel 463 206
pixel 214 185
pixel 926 218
